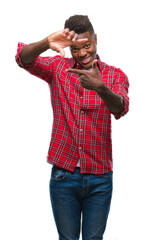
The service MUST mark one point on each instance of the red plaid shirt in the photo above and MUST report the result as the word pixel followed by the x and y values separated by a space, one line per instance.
pixel 82 122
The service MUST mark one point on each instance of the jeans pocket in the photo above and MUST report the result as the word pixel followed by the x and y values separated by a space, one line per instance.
pixel 58 174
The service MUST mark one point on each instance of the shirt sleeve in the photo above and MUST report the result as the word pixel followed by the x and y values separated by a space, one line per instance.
pixel 121 86
pixel 42 67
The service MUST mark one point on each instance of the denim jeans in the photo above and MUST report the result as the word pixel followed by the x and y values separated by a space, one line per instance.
pixel 74 195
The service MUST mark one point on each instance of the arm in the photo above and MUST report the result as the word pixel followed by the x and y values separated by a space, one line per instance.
pixel 113 101
pixel 91 80
pixel 56 41
pixel 30 52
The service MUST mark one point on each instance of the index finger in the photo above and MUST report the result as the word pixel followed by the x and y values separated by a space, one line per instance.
pixel 83 40
pixel 78 71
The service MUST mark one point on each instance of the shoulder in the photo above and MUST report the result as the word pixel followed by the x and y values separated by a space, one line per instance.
pixel 112 70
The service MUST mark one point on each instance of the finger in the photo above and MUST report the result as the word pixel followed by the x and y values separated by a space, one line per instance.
pixel 71 34
pixel 83 40
pixel 82 77
pixel 62 52
pixel 66 31
pixel 78 71
pixel 75 37
pixel 95 65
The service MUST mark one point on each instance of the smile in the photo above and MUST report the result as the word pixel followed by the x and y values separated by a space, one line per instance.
pixel 86 60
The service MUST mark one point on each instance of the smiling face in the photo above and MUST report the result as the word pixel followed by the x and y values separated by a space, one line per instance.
pixel 85 53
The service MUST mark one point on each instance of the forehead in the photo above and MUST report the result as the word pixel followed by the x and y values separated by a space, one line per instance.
pixel 86 35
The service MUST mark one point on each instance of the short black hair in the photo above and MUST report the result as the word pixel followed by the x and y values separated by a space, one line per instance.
pixel 79 23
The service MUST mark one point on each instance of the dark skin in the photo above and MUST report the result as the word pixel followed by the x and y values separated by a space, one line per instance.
pixel 85 55
pixel 56 41
pixel 83 50
pixel 91 80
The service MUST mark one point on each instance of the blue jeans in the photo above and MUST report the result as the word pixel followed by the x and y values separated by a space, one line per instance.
pixel 74 193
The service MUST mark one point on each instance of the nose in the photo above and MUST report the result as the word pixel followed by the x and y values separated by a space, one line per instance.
pixel 82 52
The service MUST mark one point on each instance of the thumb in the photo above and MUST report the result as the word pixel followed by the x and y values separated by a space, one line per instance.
pixel 62 52
pixel 94 65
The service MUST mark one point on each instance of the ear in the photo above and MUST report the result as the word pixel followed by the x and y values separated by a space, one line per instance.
pixel 95 36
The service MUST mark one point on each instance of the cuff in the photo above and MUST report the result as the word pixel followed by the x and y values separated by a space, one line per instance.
pixel 126 108
pixel 18 59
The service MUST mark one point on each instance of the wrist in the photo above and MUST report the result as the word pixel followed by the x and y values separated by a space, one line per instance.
pixel 48 41
pixel 100 88
pixel 45 44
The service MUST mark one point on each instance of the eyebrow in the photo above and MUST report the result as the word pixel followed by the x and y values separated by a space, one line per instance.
pixel 80 44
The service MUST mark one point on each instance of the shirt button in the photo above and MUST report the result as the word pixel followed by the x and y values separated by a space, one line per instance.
pixel 82 111
pixel 81 130
pixel 80 148
pixel 81 97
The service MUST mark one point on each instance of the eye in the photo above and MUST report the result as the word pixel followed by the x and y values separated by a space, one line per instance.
pixel 74 50
pixel 87 46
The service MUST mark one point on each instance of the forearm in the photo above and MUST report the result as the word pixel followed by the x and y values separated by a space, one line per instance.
pixel 30 52
pixel 113 101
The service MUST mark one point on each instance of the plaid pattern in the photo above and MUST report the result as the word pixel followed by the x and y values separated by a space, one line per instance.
pixel 82 122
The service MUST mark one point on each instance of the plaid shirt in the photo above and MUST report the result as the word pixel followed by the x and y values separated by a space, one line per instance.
pixel 82 122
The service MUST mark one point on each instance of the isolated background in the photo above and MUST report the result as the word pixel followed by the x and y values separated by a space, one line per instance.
pixel 26 116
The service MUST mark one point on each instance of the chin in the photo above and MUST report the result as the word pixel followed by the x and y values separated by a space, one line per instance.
pixel 87 66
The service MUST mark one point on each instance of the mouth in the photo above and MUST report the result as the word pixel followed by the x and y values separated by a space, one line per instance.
pixel 86 60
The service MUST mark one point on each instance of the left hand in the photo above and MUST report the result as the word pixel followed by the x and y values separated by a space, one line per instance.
pixel 90 80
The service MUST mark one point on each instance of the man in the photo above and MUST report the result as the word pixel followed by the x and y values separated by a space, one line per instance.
pixel 84 94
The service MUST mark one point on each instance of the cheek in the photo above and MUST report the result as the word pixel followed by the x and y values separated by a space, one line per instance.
pixel 74 55
pixel 92 50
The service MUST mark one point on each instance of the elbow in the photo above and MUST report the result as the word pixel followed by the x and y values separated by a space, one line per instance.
pixel 119 106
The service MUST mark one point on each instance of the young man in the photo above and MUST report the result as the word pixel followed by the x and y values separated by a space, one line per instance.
pixel 84 94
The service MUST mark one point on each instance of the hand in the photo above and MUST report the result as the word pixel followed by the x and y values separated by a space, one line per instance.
pixel 62 39
pixel 90 80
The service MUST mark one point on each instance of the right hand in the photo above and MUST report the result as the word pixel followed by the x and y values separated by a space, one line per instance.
pixel 62 39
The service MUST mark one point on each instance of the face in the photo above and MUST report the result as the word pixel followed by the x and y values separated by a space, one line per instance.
pixel 85 53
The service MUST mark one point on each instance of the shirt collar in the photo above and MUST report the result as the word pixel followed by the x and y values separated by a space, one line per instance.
pixel 75 64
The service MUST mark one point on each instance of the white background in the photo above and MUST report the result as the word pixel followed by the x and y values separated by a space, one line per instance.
pixel 26 116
